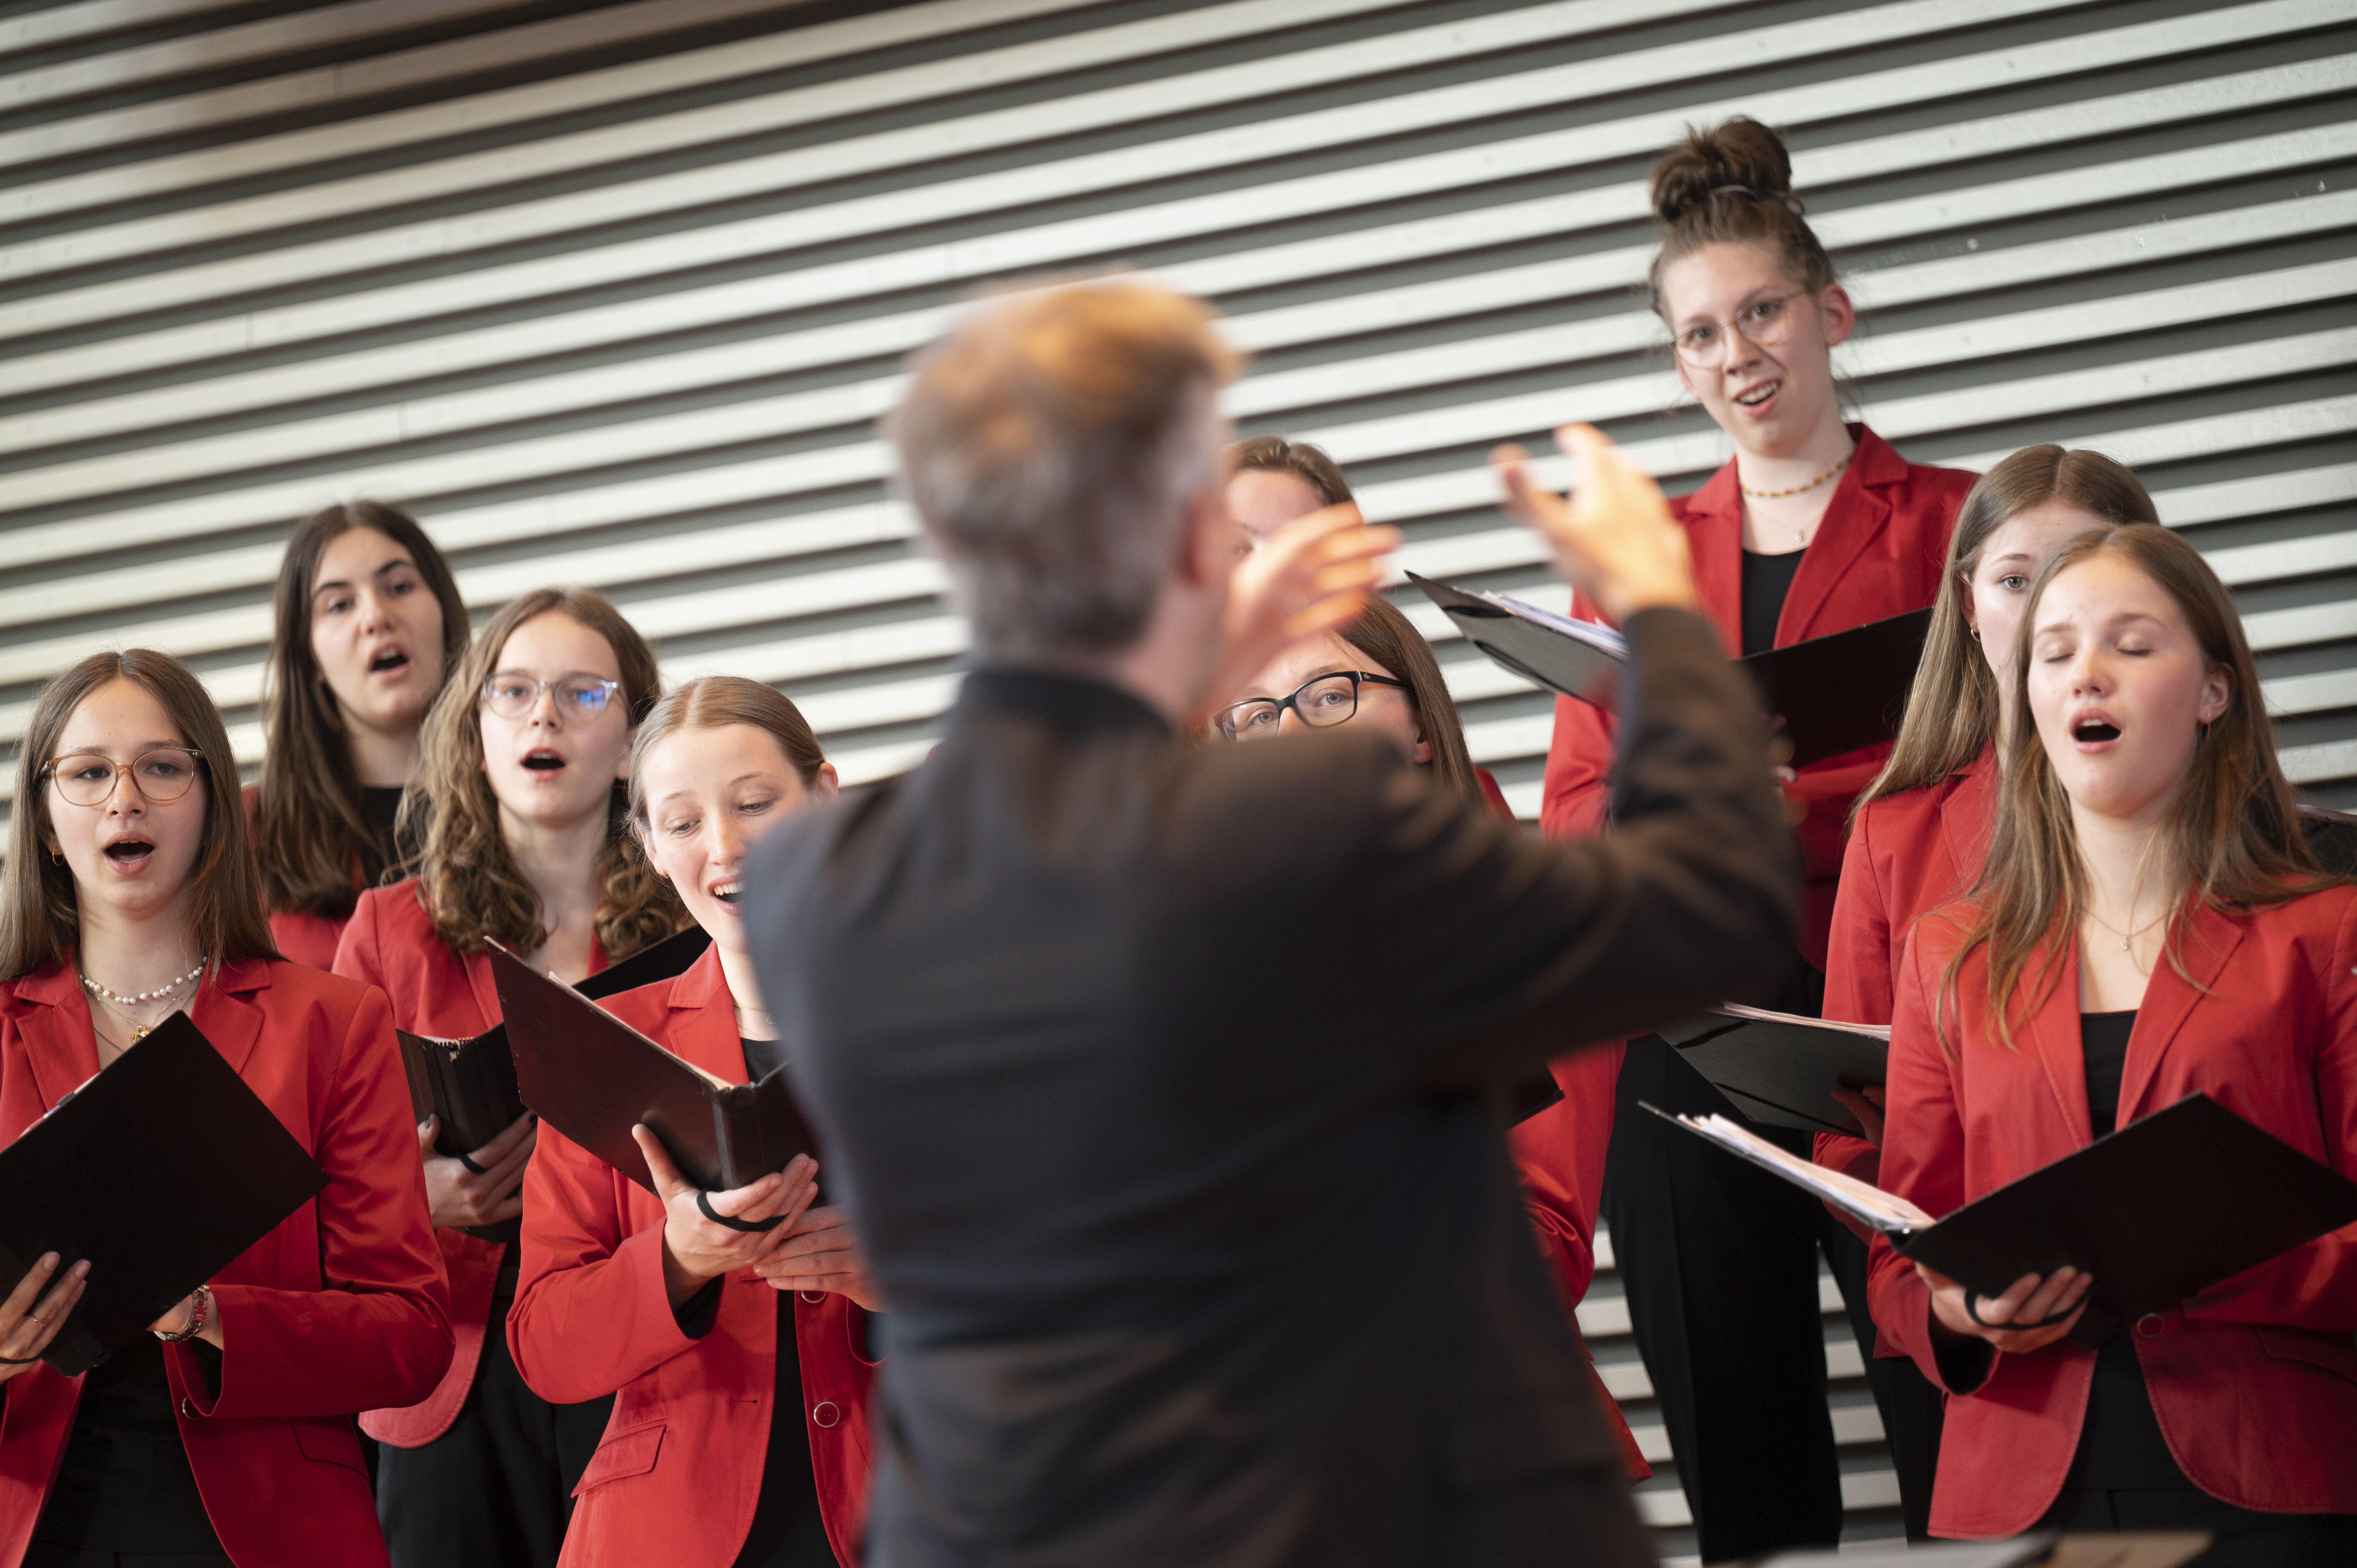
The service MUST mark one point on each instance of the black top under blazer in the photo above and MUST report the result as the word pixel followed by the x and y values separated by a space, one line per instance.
pixel 1161 1081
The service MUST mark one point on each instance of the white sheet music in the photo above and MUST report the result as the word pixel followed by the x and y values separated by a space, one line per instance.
pixel 1868 1205
pixel 1593 633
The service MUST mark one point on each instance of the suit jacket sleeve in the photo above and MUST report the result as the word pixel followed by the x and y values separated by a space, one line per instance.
pixel 1512 951
pixel 378 1334
pixel 591 1310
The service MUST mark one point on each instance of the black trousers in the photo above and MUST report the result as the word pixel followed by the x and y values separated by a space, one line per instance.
pixel 1720 1262
pixel 496 1490
pixel 2241 1538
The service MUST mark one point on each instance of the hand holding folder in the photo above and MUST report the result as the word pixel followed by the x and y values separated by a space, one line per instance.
pixel 2157 1212
pixel 168 1117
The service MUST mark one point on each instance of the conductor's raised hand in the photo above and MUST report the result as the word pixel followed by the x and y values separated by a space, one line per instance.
pixel 1615 539
pixel 35 1311
pixel 1311 576
pixel 697 1251
pixel 486 1192
pixel 2032 1314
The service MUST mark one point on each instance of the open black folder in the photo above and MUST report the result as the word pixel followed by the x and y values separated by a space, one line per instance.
pixel 159 1171
pixel 592 1077
pixel 1780 1068
pixel 2157 1211
pixel 1835 693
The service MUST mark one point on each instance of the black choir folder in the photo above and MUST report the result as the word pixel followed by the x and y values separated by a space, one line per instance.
pixel 592 1077
pixel 1834 693
pixel 160 1171
pixel 1780 1068
pixel 2157 1211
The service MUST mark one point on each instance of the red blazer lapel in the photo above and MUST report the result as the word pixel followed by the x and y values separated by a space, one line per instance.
pixel 487 990
pixel 1860 511
pixel 704 1019
pixel 2052 1031
pixel 1712 516
pixel 2208 940
pixel 1966 816
pixel 59 1041
pixel 227 1013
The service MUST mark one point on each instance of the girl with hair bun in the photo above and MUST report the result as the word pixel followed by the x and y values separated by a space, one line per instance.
pixel 1814 526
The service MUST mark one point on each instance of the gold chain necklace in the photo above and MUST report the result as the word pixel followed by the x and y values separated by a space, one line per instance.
pixel 2126 938
pixel 1796 489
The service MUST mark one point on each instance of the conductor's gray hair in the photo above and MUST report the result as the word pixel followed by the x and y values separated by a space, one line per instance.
pixel 1051 445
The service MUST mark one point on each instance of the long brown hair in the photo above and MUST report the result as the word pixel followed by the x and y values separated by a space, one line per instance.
pixel 1732 185
pixel 466 879
pixel 308 824
pixel 39 916
pixel 1386 636
pixel 1952 708
pixel 2233 838
pixel 710 702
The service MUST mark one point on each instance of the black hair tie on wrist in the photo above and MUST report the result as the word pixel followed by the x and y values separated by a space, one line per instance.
pixel 1972 1312
pixel 703 1206
pixel 468 1162
pixel 18 1360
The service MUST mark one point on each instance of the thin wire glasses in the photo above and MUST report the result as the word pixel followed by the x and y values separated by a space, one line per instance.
pixel 512 694
pixel 1322 702
pixel 1764 323
pixel 88 778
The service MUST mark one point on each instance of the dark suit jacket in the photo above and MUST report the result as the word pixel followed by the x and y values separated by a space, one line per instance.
pixel 1160 1079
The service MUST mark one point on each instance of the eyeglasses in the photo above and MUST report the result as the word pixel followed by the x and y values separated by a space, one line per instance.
pixel 1764 323
pixel 88 778
pixel 1322 702
pixel 511 694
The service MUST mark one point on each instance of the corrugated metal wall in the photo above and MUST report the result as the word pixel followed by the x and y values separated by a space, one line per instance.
pixel 612 294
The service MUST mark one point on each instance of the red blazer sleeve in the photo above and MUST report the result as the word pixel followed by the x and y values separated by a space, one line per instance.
pixel 378 1333
pixel 1578 785
pixel 1560 1155
pixel 359 953
pixel 1858 985
pixel 591 1311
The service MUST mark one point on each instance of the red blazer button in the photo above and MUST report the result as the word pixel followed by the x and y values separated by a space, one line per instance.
pixel 189 1408
pixel 814 1297
pixel 2151 1325
pixel 825 1413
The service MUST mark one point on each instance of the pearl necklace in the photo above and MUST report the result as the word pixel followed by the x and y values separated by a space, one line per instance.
pixel 124 1004
pixel 1796 489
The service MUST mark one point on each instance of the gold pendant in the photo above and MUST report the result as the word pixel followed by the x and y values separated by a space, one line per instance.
pixel 138 1034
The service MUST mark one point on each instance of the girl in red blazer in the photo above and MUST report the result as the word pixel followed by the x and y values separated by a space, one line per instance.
pixel 520 778
pixel 1380 670
pixel 366 622
pixel 2149 924
pixel 1814 527
pixel 741 1354
pixel 1921 828
pixel 131 893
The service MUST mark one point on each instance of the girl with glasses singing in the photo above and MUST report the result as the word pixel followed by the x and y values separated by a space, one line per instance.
pixel 1379 671
pixel 696 1471
pixel 367 623
pixel 525 843
pixel 1814 526
pixel 131 893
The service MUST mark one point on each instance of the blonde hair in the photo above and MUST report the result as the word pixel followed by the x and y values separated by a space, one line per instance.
pixel 467 882
pixel 711 702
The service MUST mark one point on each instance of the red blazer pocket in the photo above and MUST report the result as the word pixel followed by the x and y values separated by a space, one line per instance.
pixel 329 1442
pixel 2333 1353
pixel 631 1453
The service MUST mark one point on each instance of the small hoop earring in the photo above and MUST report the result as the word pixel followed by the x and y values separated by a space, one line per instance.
pixel 56 857
pixel 1976 633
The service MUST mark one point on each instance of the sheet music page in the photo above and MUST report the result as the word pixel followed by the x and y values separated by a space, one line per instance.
pixel 1762 1016
pixel 1870 1205
pixel 1588 631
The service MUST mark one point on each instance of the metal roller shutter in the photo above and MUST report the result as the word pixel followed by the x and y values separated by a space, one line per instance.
pixel 612 294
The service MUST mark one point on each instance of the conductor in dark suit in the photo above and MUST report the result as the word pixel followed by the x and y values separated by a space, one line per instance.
pixel 1163 1079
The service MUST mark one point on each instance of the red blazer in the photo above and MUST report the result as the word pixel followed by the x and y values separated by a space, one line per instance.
pixel 2254 1380
pixel 676 1478
pixel 1909 853
pixel 390 943
pixel 307 940
pixel 341 1308
pixel 1879 552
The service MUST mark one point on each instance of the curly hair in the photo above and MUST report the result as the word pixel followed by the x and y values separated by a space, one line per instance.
pixel 468 881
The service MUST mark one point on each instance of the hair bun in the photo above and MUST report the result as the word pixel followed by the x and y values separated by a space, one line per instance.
pixel 1742 152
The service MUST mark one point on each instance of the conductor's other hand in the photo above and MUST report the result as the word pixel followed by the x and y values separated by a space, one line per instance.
pixel 491 1190
pixel 696 1251
pixel 1615 539
pixel 28 1325
pixel 1310 577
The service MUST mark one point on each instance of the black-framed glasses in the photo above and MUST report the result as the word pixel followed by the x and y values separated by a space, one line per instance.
pixel 88 778
pixel 1322 702
pixel 511 694
pixel 1764 323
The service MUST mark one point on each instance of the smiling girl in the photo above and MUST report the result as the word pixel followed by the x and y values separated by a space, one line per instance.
pixel 696 1470
pixel 2150 924
pixel 131 894
pixel 366 622
pixel 521 770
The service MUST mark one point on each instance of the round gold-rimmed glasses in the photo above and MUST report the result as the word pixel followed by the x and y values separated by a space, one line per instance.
pixel 88 778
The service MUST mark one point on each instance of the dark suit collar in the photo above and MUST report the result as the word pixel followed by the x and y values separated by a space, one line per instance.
pixel 1054 697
